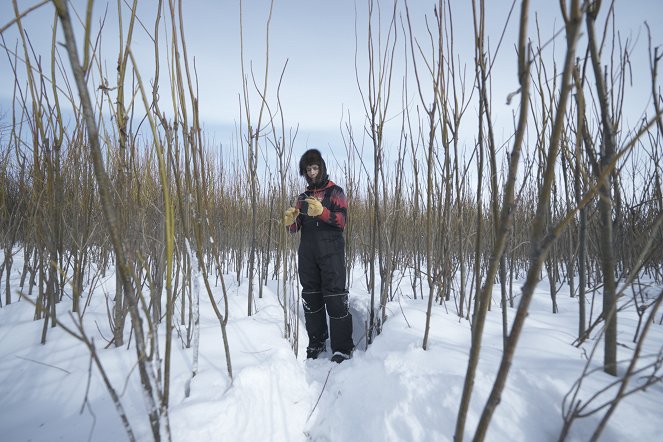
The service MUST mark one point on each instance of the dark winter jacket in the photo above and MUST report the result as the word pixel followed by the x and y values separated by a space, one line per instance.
pixel 334 210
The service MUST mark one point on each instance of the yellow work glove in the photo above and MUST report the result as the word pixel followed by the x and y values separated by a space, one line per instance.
pixel 290 214
pixel 313 206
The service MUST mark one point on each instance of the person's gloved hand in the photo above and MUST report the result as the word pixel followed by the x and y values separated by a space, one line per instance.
pixel 313 206
pixel 290 214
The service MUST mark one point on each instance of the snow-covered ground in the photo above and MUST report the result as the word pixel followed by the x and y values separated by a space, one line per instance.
pixel 392 391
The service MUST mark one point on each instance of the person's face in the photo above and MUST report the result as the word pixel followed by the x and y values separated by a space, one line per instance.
pixel 313 171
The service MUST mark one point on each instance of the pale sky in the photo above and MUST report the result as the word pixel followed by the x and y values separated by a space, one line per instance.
pixel 317 38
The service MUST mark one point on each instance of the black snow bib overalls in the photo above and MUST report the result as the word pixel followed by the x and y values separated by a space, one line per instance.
pixel 321 265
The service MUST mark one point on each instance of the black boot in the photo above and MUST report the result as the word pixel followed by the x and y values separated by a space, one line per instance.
pixel 340 356
pixel 314 350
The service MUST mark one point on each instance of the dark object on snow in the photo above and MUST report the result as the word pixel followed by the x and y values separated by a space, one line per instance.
pixel 312 352
pixel 339 357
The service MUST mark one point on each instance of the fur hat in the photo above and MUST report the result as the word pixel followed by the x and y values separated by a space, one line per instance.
pixel 311 157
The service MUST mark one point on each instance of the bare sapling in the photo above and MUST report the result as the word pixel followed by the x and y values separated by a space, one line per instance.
pixel 505 221
pixel 157 415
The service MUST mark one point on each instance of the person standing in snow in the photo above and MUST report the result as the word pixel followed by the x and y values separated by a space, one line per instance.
pixel 320 213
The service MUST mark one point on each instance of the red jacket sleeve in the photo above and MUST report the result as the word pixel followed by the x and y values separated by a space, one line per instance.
pixel 337 211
